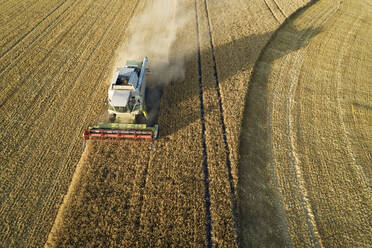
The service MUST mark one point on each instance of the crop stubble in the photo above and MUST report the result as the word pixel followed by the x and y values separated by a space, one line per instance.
pixel 47 98
pixel 314 148
pixel 179 119
pixel 166 201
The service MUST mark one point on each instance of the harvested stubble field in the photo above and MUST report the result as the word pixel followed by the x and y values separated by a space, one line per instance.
pixel 52 77
pixel 311 139
pixel 189 188
pixel 186 195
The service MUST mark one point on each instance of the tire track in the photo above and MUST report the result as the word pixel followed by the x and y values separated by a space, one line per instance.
pixel 208 221
pixel 280 9
pixel 32 29
pixel 223 127
pixel 272 12
pixel 341 110
pixel 296 69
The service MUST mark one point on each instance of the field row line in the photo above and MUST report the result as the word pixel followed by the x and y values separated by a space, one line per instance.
pixel 26 134
pixel 95 85
pixel 104 69
pixel 41 34
pixel 208 221
pixel 59 70
pixel 32 29
pixel 223 126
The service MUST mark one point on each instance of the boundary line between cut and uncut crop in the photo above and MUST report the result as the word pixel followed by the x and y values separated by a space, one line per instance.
pixel 77 76
pixel 208 218
pixel 32 29
pixel 223 127
pixel 77 169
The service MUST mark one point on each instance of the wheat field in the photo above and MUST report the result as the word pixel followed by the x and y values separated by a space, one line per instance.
pixel 265 142
pixel 310 142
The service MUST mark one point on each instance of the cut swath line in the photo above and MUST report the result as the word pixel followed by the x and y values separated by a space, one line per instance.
pixel 78 75
pixel 208 221
pixel 13 89
pixel 42 34
pixel 76 174
pixel 223 126
pixel 32 29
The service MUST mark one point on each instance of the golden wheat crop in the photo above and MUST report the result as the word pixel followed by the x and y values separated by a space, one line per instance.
pixel 51 85
pixel 167 203
pixel 300 175
pixel 307 140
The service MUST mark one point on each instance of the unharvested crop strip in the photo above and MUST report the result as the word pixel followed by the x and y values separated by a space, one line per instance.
pixel 32 29
pixel 208 223
pixel 223 126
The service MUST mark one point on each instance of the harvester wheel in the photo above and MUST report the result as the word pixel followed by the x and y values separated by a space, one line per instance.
pixel 112 118
pixel 140 119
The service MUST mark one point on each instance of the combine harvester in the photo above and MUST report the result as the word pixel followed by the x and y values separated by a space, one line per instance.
pixel 128 118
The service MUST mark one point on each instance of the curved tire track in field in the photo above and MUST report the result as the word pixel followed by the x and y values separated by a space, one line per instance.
pixel 295 62
pixel 290 84
pixel 341 111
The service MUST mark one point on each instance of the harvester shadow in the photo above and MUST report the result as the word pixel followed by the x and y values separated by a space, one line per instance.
pixel 237 58
pixel 262 220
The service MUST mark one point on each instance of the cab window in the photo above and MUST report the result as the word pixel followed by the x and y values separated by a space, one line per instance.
pixel 121 109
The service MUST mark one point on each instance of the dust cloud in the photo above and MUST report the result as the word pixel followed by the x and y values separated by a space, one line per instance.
pixel 152 33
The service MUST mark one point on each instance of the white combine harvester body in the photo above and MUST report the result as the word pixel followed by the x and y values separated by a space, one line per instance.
pixel 126 94
pixel 127 106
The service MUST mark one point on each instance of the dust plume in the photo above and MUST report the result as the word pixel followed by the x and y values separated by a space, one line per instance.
pixel 152 34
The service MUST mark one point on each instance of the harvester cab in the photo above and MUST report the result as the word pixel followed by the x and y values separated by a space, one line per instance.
pixel 126 106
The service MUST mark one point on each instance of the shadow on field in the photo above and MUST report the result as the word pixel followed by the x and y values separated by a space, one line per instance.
pixel 242 53
pixel 262 221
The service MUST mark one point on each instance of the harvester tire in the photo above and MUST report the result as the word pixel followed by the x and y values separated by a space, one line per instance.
pixel 112 118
